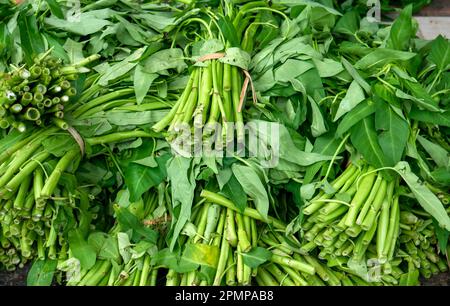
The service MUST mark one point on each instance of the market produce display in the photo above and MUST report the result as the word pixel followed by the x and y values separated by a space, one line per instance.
pixel 348 184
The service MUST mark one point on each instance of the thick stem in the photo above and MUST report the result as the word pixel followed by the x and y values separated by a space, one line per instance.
pixel 360 196
pixel 295 264
pixel 230 228
pixel 252 213
pixel 102 99
pixel 370 218
pixel 243 240
pixel 61 166
pixel 204 98
pixel 191 103
pixel 118 136
pixel 368 202
pixel 223 258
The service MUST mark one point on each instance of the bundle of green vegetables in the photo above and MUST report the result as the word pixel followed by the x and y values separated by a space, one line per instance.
pixel 37 94
pixel 214 96
pixel 38 167
pixel 123 256
pixel 358 195
pixel 365 211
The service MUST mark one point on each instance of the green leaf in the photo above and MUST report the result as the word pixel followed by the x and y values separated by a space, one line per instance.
pixel 426 198
pixel 223 176
pixel 234 191
pixel 291 69
pixel 358 267
pixel 442 236
pixel 55 8
pixel 31 40
pixel 347 24
pixel 123 245
pixel 135 118
pixel 142 82
pixel 140 178
pixel 86 25
pixel 135 32
pixel 172 260
pixel 401 30
pixel 206 47
pixel 411 278
pixel 228 31
pixel 360 112
pixel 268 33
pixel 394 135
pixel 123 198
pixel 312 82
pixel 356 76
pixel 41 273
pixel 59 145
pixel 163 60
pixel 256 257
pixel 309 3
pixel 128 221
pixel 353 97
pixel 365 140
pixel 385 93
pixel 252 185
pixel 382 56
pixel 10 139
pixel 327 67
pixel 105 246
pixel 419 95
pixel 236 57
pixel 287 148
pixel 326 144
pixel 441 175
pixel 201 254
pixel 207 273
pixel 121 68
pixel 149 161
pixel 437 153
pixel 318 126
pixel 158 22
pixel 81 250
pixel 431 117
pixel 440 52
pixel 74 50
pixel 182 180
pixel 58 50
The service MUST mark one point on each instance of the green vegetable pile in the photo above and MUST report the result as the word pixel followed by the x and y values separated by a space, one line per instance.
pixel 348 184
pixel 37 94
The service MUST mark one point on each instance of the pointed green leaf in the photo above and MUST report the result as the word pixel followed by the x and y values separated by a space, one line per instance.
pixel 128 221
pixel 360 112
pixel 256 257
pixel 252 185
pixel 41 273
pixel 201 254
pixel 401 30
pixel 431 117
pixel 140 178
pixel 365 140
pixel 424 196
pixel 31 40
pixel 437 153
pixel 182 180
pixel 440 52
pixel 234 191
pixel 228 31
pixel 81 250
pixel 353 97
pixel 394 135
